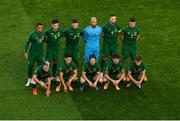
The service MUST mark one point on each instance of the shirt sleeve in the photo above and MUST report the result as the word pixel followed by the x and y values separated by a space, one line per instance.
pixel 103 28
pixel 50 73
pixel 119 28
pixel 98 68
pixel 46 36
pixel 138 31
pixel 84 35
pixel 122 68
pixel 36 71
pixel 122 31
pixel 143 67
pixel 107 68
pixel 74 66
pixel 81 32
pixel 64 33
pixel 61 68
pixel 85 68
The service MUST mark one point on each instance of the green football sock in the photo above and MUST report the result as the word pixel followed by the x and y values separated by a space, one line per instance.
pixel 54 69
pixel 33 86
pixel 30 71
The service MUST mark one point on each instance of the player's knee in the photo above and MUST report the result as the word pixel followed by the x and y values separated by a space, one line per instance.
pixel 82 80
pixel 127 78
pixel 75 78
pixel 33 81
pixel 124 78
pixel 105 79
pixel 101 80
pixel 145 79
pixel 58 79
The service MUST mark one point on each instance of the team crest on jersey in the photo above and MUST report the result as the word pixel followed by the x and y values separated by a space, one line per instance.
pixel 68 70
pixel 58 34
pixel 117 68
pixel 115 30
pixel 78 34
pixel 135 33
pixel 140 69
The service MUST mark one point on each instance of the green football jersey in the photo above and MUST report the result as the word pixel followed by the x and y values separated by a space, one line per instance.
pixel 41 74
pixel 111 32
pixel 91 70
pixel 136 70
pixel 130 35
pixel 53 38
pixel 72 37
pixel 67 69
pixel 36 40
pixel 113 69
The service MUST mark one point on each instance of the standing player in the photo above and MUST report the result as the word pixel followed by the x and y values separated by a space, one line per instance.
pixel 67 72
pixel 42 75
pixel 34 53
pixel 111 31
pixel 53 35
pixel 114 72
pixel 136 72
pixel 72 35
pixel 91 73
pixel 92 35
pixel 130 35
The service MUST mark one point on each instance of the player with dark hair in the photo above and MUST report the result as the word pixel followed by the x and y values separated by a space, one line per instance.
pixel 72 35
pixel 90 73
pixel 34 49
pixel 136 72
pixel 53 36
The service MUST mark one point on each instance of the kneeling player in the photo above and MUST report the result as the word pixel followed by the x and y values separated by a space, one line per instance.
pixel 67 73
pixel 90 74
pixel 136 72
pixel 114 72
pixel 42 75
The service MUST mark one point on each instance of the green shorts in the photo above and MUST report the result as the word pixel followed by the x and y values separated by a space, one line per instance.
pixel 72 51
pixel 52 55
pixel 32 58
pixel 66 77
pixel 137 76
pixel 128 50
pixel 109 49
pixel 44 79
pixel 90 77
pixel 114 75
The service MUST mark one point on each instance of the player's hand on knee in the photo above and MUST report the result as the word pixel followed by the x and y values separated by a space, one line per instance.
pixel 90 84
pixel 114 82
pixel 65 89
pixel 95 84
pixel 68 83
pixel 101 80
pixel 43 84
pixel 137 83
